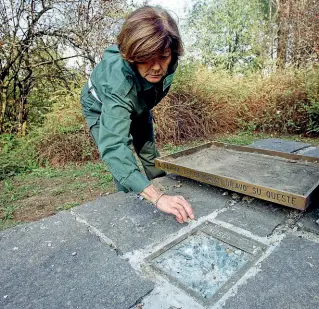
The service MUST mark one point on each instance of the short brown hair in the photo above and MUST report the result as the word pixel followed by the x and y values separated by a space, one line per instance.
pixel 147 32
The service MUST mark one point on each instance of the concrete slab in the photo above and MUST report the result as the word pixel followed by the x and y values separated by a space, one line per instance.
pixel 310 220
pixel 259 218
pixel 133 224
pixel 277 144
pixel 57 263
pixel 204 198
pixel 311 152
pixel 288 279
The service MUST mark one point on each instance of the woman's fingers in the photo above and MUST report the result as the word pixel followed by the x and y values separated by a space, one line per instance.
pixel 177 214
pixel 182 212
pixel 177 206
pixel 186 206
pixel 179 221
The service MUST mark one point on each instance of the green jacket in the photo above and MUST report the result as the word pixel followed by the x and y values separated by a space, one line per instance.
pixel 124 94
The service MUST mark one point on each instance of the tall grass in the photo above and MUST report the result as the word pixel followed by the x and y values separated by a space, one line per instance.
pixel 204 102
pixel 65 137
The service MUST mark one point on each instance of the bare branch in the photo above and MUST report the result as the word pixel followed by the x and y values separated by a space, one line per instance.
pixel 54 61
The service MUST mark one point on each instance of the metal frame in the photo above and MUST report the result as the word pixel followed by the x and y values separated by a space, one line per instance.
pixel 289 199
pixel 253 248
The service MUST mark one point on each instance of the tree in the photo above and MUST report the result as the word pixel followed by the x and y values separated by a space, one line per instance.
pixel 38 36
pixel 227 32
pixel 232 32
pixel 297 24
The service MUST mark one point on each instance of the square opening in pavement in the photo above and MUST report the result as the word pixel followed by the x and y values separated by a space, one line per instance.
pixel 207 261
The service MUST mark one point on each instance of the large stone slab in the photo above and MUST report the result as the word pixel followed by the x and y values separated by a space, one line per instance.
pixel 310 220
pixel 259 218
pixel 277 144
pixel 133 224
pixel 311 152
pixel 57 263
pixel 204 198
pixel 289 278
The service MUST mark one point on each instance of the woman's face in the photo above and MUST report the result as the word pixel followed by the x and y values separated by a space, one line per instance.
pixel 155 69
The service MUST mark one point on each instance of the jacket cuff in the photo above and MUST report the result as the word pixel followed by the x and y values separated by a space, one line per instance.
pixel 136 182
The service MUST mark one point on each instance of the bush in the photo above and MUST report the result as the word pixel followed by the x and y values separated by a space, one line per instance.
pixel 313 114
pixel 65 136
pixel 17 154
pixel 62 138
pixel 59 149
pixel 204 102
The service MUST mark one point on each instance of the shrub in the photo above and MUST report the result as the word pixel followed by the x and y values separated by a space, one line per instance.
pixel 313 114
pixel 205 102
pixel 65 136
pixel 59 149
pixel 17 154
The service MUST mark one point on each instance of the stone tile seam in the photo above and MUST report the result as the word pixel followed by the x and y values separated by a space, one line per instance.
pixel 275 236
pixel 280 228
pixel 274 241
pixel 137 258
pixel 96 232
pixel 163 285
pixel 252 272
pixel 310 231
pixel 140 300
pixel 276 228
pixel 295 222
pixel 288 223
pixel 306 235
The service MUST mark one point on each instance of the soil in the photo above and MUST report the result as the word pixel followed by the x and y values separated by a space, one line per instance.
pixel 296 177
pixel 48 201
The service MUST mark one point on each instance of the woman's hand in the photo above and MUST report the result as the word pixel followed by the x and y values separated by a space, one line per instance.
pixel 175 205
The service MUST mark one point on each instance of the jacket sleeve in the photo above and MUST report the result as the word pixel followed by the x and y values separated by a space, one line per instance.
pixel 115 143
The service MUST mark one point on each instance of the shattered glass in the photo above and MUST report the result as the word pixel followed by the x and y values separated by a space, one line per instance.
pixel 202 263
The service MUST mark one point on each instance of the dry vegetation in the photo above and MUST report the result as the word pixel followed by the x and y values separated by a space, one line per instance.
pixel 208 103
pixel 59 149
pixel 201 105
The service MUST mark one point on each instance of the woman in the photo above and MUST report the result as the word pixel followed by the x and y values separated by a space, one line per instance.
pixel 132 77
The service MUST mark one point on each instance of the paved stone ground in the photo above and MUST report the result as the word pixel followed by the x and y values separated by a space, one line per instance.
pixel 97 255
pixel 280 145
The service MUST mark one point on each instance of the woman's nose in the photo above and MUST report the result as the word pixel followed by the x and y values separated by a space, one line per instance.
pixel 156 65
